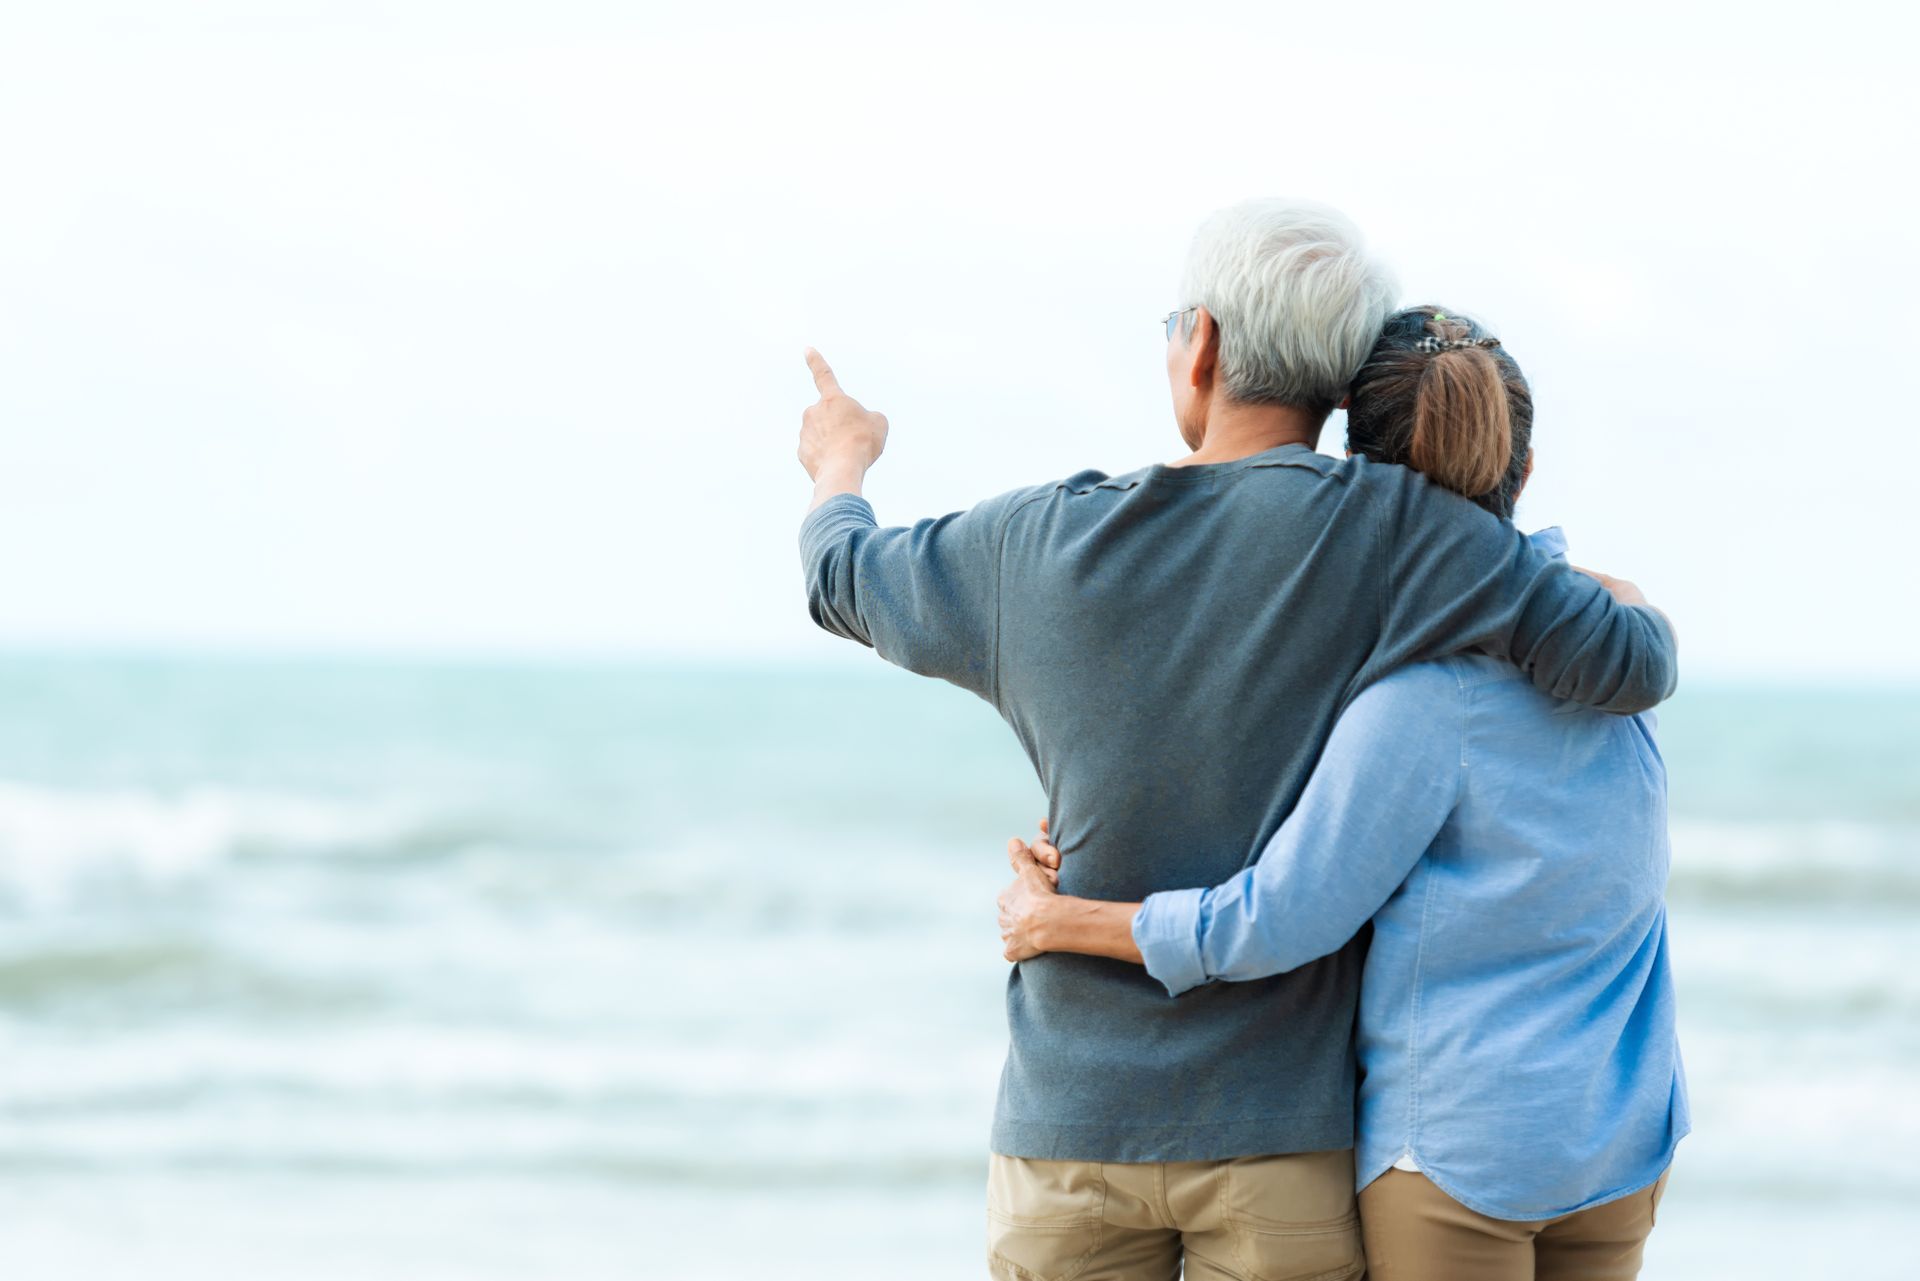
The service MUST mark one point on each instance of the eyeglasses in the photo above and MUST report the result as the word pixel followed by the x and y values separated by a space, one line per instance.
pixel 1172 318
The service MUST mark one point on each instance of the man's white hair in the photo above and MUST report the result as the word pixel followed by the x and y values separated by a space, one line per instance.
pixel 1298 300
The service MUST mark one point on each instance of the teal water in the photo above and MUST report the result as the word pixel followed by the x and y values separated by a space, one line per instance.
pixel 418 970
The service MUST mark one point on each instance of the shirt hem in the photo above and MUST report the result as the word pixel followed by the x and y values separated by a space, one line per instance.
pixel 1510 1215
pixel 1134 1144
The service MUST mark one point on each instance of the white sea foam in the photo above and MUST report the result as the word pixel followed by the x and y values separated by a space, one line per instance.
pixel 856 1066
pixel 56 842
pixel 1807 861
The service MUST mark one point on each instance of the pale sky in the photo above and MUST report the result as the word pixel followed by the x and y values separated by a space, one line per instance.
pixel 445 327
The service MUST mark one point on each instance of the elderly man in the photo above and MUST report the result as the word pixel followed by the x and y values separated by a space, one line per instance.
pixel 1172 647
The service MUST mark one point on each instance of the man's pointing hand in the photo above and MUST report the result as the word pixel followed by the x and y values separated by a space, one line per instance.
pixel 839 437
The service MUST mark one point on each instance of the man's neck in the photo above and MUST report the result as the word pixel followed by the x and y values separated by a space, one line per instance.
pixel 1236 431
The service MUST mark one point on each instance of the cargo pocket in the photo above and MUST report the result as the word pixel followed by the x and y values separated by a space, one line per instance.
pixel 1043 1217
pixel 1294 1218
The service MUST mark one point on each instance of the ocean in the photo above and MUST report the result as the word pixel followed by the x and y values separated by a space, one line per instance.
pixel 371 970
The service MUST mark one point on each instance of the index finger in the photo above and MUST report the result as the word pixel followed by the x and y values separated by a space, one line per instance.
pixel 823 379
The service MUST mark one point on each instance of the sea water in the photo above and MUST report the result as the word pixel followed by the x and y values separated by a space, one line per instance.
pixel 373 970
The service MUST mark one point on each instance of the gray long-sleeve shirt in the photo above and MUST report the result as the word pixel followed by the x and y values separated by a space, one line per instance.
pixel 1172 647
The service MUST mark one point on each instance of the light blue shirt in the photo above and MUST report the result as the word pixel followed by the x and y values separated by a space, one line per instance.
pixel 1516 1030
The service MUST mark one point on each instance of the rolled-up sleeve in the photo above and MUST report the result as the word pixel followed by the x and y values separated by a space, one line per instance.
pixel 1167 930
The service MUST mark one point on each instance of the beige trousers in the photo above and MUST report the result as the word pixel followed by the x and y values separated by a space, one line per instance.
pixel 1262 1218
pixel 1416 1232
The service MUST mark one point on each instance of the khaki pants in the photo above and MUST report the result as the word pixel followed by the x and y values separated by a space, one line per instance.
pixel 1263 1218
pixel 1416 1232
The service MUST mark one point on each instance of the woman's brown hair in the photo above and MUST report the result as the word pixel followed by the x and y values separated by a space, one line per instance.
pixel 1439 394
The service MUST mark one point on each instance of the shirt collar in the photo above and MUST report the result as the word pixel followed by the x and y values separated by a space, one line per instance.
pixel 1552 540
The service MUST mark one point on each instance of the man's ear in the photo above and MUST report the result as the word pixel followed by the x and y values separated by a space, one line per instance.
pixel 1205 345
pixel 1346 402
pixel 1526 473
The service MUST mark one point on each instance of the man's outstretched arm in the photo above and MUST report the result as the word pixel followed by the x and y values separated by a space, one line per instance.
pixel 925 597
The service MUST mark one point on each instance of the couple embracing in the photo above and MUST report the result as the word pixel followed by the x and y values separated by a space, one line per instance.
pixel 1342 950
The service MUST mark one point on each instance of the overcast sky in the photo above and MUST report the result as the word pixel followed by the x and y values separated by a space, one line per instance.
pixel 446 327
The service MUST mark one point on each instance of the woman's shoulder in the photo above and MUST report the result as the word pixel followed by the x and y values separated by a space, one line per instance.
pixel 1417 689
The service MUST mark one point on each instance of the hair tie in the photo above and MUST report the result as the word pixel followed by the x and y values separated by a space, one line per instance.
pixel 1431 344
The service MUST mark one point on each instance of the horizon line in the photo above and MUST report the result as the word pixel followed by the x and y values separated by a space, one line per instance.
pixel 836 659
